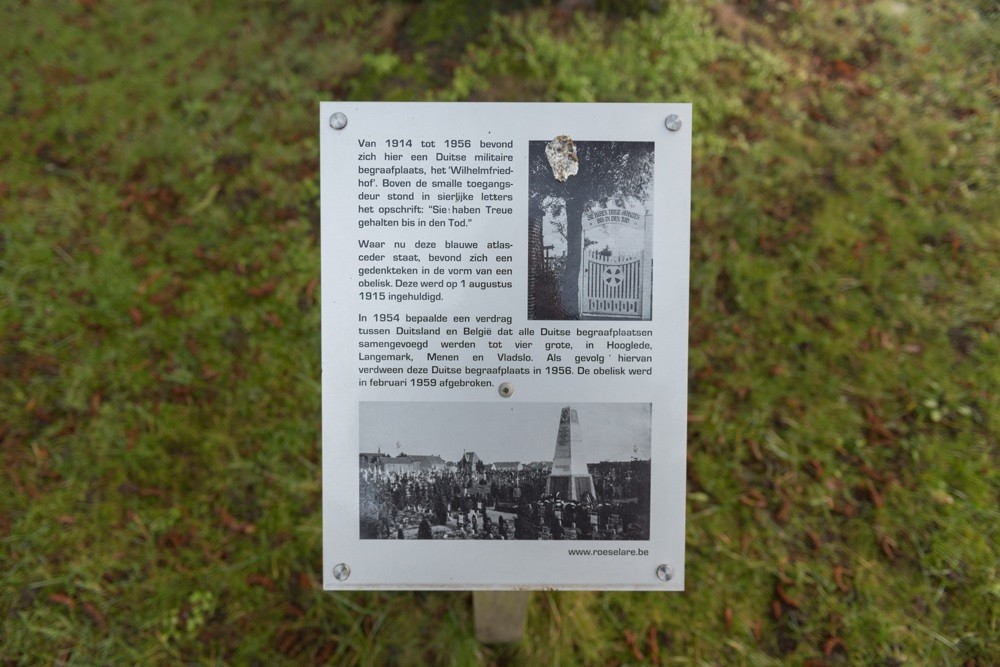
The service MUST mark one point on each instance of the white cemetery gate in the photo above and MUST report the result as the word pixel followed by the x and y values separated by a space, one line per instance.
pixel 611 287
pixel 616 286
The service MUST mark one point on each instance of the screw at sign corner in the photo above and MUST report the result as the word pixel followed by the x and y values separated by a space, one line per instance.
pixel 338 121
pixel 665 572
pixel 506 389
pixel 672 122
pixel 341 571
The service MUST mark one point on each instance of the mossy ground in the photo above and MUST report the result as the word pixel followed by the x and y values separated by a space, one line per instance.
pixel 159 326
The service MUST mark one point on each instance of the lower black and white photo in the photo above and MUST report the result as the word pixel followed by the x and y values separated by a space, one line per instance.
pixel 488 471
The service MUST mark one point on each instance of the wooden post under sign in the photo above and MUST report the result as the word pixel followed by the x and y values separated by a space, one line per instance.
pixel 499 615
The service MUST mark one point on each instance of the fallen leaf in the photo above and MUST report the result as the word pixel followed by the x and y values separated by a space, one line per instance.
pixel 65 600
pixel 875 495
pixel 153 492
pixel 842 68
pixel 779 590
pixel 838 578
pixel 754 498
pixel 876 423
pixel 845 509
pixel 831 645
pixel 150 279
pixel 634 645
pixel 654 646
pixel 261 580
pixel 234 525
pixel 311 289
pixel 95 615
pixel 289 642
pixel 888 546
pixel 263 290
pixel 783 513
pixel 325 653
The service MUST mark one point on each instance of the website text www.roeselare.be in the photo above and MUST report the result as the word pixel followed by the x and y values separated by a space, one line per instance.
pixel 608 552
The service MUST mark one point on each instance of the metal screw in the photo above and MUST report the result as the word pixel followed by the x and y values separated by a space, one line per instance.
pixel 506 390
pixel 338 121
pixel 341 571
pixel 665 572
pixel 673 122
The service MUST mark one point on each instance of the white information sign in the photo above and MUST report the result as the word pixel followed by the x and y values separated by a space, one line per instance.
pixel 504 313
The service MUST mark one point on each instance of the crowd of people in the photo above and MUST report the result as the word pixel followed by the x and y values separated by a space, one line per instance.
pixel 503 504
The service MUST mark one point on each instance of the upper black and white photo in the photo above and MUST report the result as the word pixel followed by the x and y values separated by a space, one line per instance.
pixel 590 230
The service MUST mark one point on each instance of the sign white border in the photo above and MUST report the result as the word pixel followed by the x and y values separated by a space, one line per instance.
pixel 513 564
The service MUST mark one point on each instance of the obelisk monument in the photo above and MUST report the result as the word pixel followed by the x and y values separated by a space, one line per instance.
pixel 570 479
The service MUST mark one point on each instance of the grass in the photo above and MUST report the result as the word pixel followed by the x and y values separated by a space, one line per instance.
pixel 159 327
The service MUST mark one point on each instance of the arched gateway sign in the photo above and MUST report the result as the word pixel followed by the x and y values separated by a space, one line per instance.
pixel 617 285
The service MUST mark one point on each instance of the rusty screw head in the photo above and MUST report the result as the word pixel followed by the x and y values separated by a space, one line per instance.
pixel 665 572
pixel 506 389
pixel 338 121
pixel 673 122
pixel 341 571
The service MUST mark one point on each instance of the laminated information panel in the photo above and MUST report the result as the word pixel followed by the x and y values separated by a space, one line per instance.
pixel 504 341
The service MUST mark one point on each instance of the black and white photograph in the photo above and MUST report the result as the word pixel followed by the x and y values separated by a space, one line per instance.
pixel 484 471
pixel 590 230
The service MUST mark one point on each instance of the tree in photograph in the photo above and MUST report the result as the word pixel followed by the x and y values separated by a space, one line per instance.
pixel 440 511
pixel 550 514
pixel 524 529
pixel 583 523
pixel 556 528
pixel 424 530
pixel 609 172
